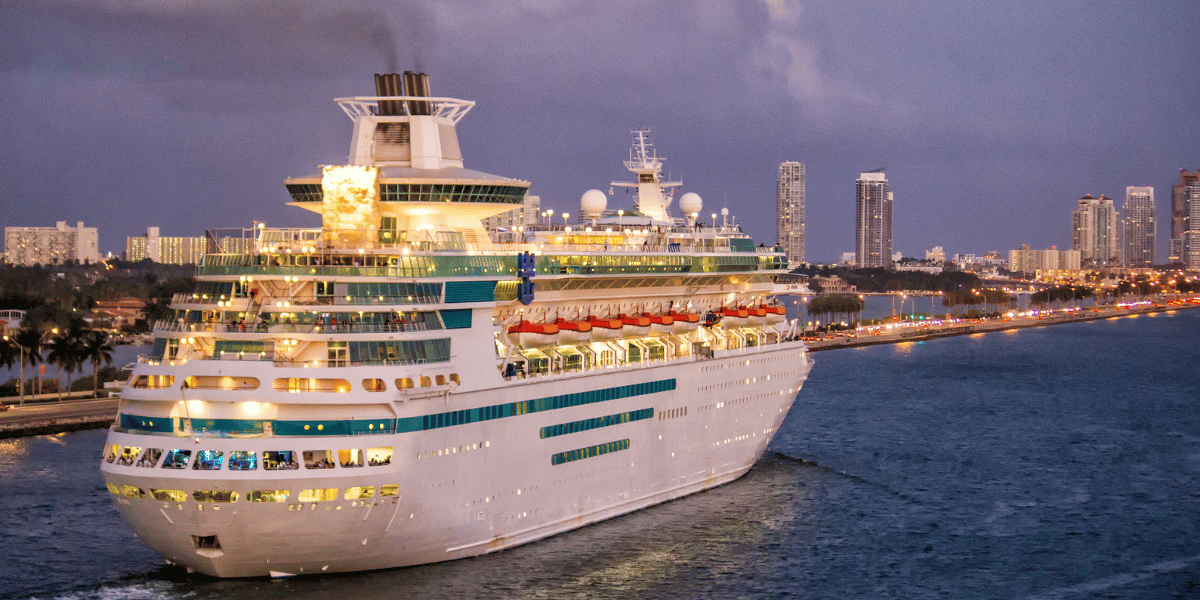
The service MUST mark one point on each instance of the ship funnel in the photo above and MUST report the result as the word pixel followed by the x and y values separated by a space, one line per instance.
pixel 389 84
pixel 418 85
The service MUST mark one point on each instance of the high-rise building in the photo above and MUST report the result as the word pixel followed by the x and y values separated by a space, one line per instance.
pixel 1185 229
pixel 789 211
pixel 1032 263
pixel 184 250
pixel 51 245
pixel 1138 228
pixel 503 227
pixel 873 221
pixel 1094 231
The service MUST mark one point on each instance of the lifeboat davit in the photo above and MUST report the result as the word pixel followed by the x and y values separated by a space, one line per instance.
pixel 660 324
pixel 732 318
pixel 534 335
pixel 776 314
pixel 635 326
pixel 684 322
pixel 573 332
pixel 604 329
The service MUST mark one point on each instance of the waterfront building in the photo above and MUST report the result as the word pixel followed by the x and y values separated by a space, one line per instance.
pixel 789 211
pixel 1032 262
pixel 1191 237
pixel 834 285
pixel 1138 227
pixel 873 221
pixel 1094 231
pixel 181 250
pixel 51 245
pixel 507 225
pixel 937 254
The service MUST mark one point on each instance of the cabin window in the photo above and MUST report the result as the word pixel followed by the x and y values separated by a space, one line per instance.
pixel 241 460
pixel 208 460
pixel 132 491
pixel 150 458
pixel 317 495
pixel 405 383
pixel 390 489
pixel 168 495
pixel 177 459
pixel 153 382
pixel 454 379
pixel 350 458
pixel 128 454
pixel 377 457
pixel 279 460
pixel 111 452
pixel 441 379
pixel 360 493
pixel 374 385
pixel 219 496
pixel 318 459
pixel 269 496
pixel 425 382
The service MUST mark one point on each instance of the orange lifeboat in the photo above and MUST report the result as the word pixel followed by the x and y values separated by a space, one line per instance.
pixel 733 317
pixel 534 335
pixel 573 332
pixel 604 329
pixel 776 313
pixel 757 315
pixel 684 322
pixel 635 326
pixel 660 324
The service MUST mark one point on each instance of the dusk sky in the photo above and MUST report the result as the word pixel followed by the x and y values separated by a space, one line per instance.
pixel 991 119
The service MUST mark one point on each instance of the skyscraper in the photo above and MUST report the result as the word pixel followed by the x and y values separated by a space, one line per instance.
pixel 873 221
pixel 1138 228
pixel 789 211
pixel 1094 231
pixel 1182 222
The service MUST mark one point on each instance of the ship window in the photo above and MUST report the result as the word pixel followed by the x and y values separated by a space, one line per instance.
pixel 111 452
pixel 150 458
pixel 221 496
pixel 132 491
pixel 317 495
pixel 454 379
pixel 208 460
pixel 279 460
pixel 318 459
pixel 390 489
pixel 350 458
pixel 113 489
pixel 360 493
pixel 374 385
pixel 177 459
pixel 404 383
pixel 218 382
pixel 377 457
pixel 425 381
pixel 127 455
pixel 168 495
pixel 269 496
pixel 241 460
pixel 306 384
pixel 441 380
pixel 153 382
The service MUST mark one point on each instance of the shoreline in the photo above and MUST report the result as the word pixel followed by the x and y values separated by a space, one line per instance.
pixel 54 417
pixel 973 326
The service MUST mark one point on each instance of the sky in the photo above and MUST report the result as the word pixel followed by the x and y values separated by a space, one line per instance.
pixel 991 119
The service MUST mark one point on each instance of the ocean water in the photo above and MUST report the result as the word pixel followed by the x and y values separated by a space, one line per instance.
pixel 1058 463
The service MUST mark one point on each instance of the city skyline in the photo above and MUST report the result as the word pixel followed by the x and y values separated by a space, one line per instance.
pixel 189 116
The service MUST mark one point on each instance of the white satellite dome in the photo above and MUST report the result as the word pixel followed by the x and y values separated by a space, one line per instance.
pixel 691 204
pixel 593 203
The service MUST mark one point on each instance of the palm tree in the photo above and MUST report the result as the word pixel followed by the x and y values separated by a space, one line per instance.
pixel 97 349
pixel 66 351
pixel 30 340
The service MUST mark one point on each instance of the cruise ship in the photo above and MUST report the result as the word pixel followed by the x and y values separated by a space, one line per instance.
pixel 402 385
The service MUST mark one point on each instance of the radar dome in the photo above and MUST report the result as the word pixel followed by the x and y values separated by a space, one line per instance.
pixel 593 203
pixel 691 204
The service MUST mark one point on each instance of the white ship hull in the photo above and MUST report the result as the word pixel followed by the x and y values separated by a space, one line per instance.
pixel 492 488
